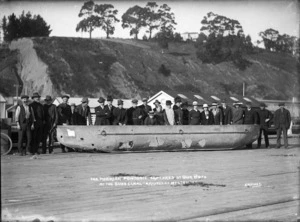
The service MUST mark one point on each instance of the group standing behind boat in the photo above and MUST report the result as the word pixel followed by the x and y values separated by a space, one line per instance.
pixel 38 122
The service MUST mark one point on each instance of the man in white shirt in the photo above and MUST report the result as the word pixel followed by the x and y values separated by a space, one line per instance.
pixel 25 119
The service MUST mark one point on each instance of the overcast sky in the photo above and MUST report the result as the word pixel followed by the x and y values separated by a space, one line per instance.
pixel 254 16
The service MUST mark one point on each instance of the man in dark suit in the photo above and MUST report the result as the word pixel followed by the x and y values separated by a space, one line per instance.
pixel 145 107
pixel 51 119
pixel 64 115
pixel 195 115
pixel 250 118
pixel 135 114
pixel 74 114
pixel 264 119
pixel 207 117
pixel 217 113
pixel 282 122
pixel 178 103
pixel 24 119
pixel 84 113
pixel 102 114
pixel 39 121
pixel 150 120
pixel 120 115
pixel 185 113
pixel 227 113
pixel 178 111
pixel 109 109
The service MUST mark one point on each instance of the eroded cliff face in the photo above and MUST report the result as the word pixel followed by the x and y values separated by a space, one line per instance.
pixel 134 69
pixel 31 70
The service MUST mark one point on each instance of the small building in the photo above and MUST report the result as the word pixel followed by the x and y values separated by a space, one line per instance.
pixel 192 36
pixel 2 107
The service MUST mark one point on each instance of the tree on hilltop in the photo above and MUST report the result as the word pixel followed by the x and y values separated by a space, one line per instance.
pixel 27 25
pixel 97 16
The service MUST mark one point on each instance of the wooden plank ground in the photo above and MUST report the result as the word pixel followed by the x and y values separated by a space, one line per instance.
pixel 222 185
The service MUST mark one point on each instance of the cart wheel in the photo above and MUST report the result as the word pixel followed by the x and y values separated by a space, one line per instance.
pixel 6 144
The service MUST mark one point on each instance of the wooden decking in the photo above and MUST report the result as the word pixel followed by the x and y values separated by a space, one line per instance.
pixel 240 185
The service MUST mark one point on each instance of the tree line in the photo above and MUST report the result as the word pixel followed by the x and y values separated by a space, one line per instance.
pixel 221 38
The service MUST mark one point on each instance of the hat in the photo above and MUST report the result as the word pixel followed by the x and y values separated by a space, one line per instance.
pixel 214 104
pixel 144 99
pixel 48 98
pixel 24 96
pixel 248 103
pixel 281 104
pixel 65 95
pixel 184 104
pixel 84 100
pixel 35 95
pixel 72 104
pixel 195 103
pixel 120 102
pixel 101 100
pixel 151 113
pixel 134 101
pixel 237 103
pixel 263 105
pixel 177 99
pixel 109 98
pixel 168 102
pixel 205 106
pixel 156 101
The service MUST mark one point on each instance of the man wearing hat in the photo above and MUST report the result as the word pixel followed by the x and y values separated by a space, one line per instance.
pixel 120 115
pixel 177 103
pixel 195 115
pixel 135 114
pixel 24 119
pixel 109 108
pixel 217 113
pixel 64 115
pixel 150 119
pixel 237 114
pixel 39 120
pixel 74 114
pixel 264 120
pixel 84 113
pixel 185 113
pixel 169 115
pixel 282 122
pixel 101 113
pixel 145 107
pixel 226 113
pixel 159 113
pixel 250 118
pixel 207 117
pixel 51 119
pixel 178 111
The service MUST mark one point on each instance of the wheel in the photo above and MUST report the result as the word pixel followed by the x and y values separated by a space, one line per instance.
pixel 6 144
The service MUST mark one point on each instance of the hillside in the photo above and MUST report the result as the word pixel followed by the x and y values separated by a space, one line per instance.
pixel 129 68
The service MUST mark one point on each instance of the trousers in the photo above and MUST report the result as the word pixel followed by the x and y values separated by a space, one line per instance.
pixel 282 129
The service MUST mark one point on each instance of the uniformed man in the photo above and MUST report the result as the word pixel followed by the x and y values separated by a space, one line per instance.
pixel 120 115
pixel 237 114
pixel 135 114
pixel 64 115
pixel 84 113
pixel 207 118
pixel 102 115
pixel 51 120
pixel 282 121
pixel 109 108
pixel 227 113
pixel 251 118
pixel 195 115
pixel 39 121
pixel 24 119
pixel 217 113
pixel 265 117
pixel 169 115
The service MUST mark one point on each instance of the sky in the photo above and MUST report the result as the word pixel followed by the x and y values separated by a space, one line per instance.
pixel 254 16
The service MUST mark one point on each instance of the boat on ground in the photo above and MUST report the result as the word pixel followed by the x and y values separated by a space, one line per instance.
pixel 156 138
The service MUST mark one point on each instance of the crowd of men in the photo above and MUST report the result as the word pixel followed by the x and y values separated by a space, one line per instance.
pixel 37 123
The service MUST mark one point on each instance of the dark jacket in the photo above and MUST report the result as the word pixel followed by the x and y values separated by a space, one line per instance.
pixel 101 116
pixel 238 116
pixel 150 121
pixel 251 117
pixel 282 118
pixel 207 120
pixel 185 116
pixel 133 116
pixel 218 116
pixel 263 115
pixel 83 115
pixel 120 116
pixel 38 111
pixel 178 116
pixel 166 121
pixel 64 113
pixel 194 117
pixel 51 115
pixel 227 115
pixel 22 116
pixel 146 108
pixel 109 112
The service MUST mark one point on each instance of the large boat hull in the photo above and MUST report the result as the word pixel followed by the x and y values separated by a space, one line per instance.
pixel 156 138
